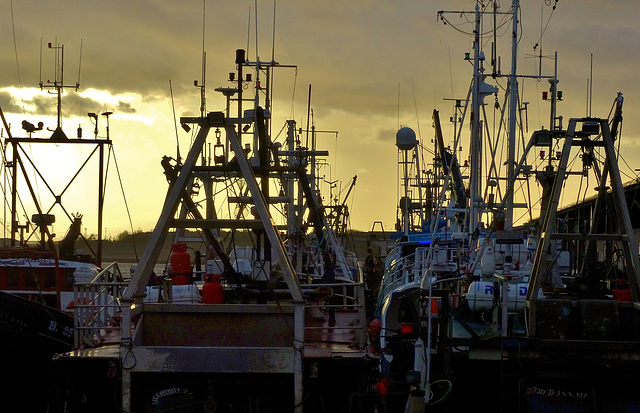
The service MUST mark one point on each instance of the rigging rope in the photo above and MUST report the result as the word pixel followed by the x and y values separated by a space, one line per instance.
pixel 15 49
pixel 548 3
pixel 124 197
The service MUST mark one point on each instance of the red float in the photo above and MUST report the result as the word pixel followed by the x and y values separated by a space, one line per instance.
pixel 180 261
pixel 212 291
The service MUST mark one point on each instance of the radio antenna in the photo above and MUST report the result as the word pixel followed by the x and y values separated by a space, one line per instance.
pixel 591 85
pixel 40 76
pixel 248 30
pixel 203 95
pixel 79 64
pixel 256 20
pixel 273 35
pixel 58 86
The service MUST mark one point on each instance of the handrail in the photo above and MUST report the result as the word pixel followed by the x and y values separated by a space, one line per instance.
pixel 403 271
pixel 97 307
pixel 347 296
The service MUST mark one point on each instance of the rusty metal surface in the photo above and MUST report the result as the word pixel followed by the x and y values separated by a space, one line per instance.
pixel 213 359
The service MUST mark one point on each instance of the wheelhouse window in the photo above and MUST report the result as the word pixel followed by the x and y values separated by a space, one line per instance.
pixel 13 278
pixel 50 279
pixel 68 279
pixel 31 279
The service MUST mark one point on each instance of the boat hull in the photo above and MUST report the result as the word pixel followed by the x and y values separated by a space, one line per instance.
pixel 32 333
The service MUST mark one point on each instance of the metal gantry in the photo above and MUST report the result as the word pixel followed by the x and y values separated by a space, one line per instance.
pixel 543 261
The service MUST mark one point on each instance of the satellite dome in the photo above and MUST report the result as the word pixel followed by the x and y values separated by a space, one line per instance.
pixel 406 139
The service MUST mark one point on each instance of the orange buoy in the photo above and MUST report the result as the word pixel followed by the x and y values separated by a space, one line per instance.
pixel 375 326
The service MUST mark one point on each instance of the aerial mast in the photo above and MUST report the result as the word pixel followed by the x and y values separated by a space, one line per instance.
pixel 58 85
pixel 406 142
pixel 513 107
pixel 476 130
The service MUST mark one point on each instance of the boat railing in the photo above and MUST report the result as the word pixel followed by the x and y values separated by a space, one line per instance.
pixel 337 299
pixel 97 308
pixel 408 269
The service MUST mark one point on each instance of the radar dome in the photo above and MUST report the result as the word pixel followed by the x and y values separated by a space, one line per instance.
pixel 406 139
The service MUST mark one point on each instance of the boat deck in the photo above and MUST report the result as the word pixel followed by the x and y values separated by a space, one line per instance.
pixel 105 352
pixel 323 338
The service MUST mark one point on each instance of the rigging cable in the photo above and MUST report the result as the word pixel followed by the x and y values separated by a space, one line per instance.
pixel 548 3
pixel 5 175
pixel 15 49
pixel 293 94
pixel 175 124
pixel 415 105
pixel 522 135
pixel 273 58
pixel 569 166
pixel 133 238
pixel 240 214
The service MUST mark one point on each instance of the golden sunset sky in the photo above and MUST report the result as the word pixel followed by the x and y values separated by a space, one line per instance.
pixel 374 66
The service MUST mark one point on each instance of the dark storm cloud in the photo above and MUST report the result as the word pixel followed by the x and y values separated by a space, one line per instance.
pixel 150 99
pixel 44 105
pixel 373 64
pixel 387 136
pixel 365 58
pixel 72 104
pixel 127 46
pixel 125 107
pixel 8 103
pixel 80 106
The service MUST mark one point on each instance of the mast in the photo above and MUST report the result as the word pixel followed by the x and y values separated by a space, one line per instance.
pixel 554 98
pixel 476 140
pixel 406 142
pixel 513 107
pixel 58 137
pixel 203 93
pixel 58 86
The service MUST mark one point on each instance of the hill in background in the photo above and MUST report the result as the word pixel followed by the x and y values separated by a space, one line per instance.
pixel 129 248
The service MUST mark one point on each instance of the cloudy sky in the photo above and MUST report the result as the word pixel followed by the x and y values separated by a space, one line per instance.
pixel 374 65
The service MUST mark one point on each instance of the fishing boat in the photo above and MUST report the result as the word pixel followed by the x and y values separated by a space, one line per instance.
pixel 279 319
pixel 478 309
pixel 37 272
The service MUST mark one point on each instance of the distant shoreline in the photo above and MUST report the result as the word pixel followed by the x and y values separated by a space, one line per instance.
pixel 127 248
